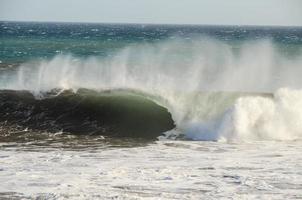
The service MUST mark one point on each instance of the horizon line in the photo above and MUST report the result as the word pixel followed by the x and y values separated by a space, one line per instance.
pixel 148 23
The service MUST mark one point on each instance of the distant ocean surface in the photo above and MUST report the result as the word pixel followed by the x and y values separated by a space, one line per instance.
pixel 142 111
pixel 22 42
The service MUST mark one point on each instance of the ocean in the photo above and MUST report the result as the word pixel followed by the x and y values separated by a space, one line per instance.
pixel 144 111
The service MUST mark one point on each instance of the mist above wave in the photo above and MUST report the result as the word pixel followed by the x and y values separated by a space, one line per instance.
pixel 189 65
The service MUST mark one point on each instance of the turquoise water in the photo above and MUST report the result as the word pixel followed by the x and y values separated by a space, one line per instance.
pixel 22 42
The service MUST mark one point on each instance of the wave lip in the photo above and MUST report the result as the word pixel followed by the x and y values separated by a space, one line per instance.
pixel 111 113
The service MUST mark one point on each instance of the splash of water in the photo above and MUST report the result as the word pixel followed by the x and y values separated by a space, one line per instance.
pixel 256 118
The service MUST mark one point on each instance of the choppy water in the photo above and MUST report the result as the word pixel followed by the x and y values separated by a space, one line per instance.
pixel 116 111
pixel 24 41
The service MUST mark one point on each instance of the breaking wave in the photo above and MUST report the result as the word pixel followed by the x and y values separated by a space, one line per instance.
pixel 200 89
pixel 117 113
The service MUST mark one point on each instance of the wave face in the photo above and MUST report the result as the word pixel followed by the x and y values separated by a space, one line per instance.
pixel 213 90
pixel 109 113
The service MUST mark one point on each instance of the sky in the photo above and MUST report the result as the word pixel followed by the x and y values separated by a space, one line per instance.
pixel 221 12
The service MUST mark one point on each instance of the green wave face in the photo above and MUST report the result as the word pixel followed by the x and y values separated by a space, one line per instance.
pixel 110 113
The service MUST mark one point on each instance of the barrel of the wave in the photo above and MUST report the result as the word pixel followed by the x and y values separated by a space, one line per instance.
pixel 108 113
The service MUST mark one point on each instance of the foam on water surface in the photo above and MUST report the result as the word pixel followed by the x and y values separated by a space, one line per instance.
pixel 167 170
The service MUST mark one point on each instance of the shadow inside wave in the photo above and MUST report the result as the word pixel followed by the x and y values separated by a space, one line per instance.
pixel 85 112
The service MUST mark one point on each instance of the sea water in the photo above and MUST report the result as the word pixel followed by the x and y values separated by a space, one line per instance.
pixel 233 94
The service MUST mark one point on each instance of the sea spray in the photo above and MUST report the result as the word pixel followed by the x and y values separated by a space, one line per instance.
pixel 202 64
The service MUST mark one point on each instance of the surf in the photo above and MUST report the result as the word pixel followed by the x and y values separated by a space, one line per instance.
pixel 206 89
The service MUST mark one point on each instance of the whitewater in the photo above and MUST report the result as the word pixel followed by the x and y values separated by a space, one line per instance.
pixel 170 115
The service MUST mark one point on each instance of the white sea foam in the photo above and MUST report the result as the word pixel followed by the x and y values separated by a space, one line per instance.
pixel 256 118
pixel 162 170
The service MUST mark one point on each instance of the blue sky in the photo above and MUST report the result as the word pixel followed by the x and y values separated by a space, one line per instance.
pixel 237 12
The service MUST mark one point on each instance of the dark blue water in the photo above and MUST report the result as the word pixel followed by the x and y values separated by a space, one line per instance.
pixel 21 42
